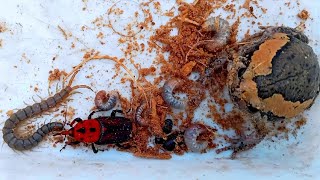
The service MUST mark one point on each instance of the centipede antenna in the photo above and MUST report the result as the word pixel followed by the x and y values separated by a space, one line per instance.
pixel 107 57
pixel 77 68
pixel 72 77
pixel 82 86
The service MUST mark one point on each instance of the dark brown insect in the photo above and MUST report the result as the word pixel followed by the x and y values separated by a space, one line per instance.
pixel 20 144
pixel 102 130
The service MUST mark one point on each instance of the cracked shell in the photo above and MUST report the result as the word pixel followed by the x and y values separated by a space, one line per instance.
pixel 276 73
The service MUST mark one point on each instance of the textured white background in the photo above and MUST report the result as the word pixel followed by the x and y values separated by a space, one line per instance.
pixel 33 31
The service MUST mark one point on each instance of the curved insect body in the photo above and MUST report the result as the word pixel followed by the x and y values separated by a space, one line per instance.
pixel 221 28
pixel 139 115
pixel 30 111
pixel 104 101
pixel 100 131
pixel 190 138
pixel 167 94
pixel 25 144
pixel 243 143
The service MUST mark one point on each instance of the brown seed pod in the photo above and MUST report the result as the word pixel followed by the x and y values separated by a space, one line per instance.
pixel 276 73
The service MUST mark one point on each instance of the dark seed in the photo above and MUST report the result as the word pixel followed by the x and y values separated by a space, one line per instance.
pixel 167 128
pixel 169 144
pixel 158 140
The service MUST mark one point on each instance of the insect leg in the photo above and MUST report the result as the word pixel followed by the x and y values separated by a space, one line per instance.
pixel 94 149
pixel 75 120
pixel 90 115
pixel 113 113
pixel 69 143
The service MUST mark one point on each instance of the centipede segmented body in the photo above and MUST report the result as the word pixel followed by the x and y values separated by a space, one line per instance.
pixel 167 94
pixel 21 144
pixel 104 101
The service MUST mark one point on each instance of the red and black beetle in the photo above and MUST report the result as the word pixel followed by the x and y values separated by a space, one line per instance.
pixel 101 131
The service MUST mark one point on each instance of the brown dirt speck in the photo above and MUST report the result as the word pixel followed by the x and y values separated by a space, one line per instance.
pixel 304 15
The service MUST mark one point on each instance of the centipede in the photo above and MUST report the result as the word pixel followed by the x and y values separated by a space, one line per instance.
pixel 21 144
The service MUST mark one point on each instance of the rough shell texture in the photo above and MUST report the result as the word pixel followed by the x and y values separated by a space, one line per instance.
pixel 286 83
pixel 295 73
